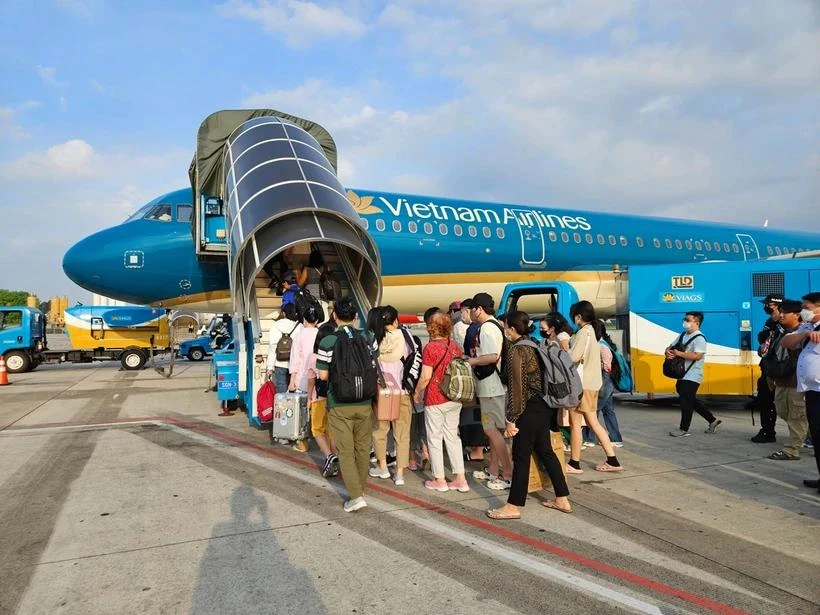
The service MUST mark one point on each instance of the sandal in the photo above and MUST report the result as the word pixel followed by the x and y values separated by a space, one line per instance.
pixel 605 467
pixel 783 456
pixel 552 505
pixel 495 513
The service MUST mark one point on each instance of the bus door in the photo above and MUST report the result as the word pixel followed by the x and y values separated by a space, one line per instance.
pixel 97 328
pixel 532 238
pixel 749 247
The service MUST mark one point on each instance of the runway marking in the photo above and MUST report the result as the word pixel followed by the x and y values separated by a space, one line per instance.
pixel 759 477
pixel 211 436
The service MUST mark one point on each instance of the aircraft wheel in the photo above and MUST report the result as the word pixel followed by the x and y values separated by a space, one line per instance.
pixel 17 362
pixel 133 359
pixel 196 354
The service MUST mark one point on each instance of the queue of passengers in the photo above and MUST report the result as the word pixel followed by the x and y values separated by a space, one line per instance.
pixel 509 389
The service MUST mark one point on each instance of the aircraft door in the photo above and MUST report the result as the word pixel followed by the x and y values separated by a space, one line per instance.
pixel 97 328
pixel 750 251
pixel 532 238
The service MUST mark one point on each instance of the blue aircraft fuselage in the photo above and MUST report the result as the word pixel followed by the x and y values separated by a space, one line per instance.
pixel 433 250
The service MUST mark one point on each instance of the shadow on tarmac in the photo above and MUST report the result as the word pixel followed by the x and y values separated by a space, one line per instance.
pixel 245 570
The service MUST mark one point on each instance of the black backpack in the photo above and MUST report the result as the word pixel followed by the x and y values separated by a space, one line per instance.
pixel 329 287
pixel 412 362
pixel 485 371
pixel 676 366
pixel 353 373
pixel 303 300
pixel 778 363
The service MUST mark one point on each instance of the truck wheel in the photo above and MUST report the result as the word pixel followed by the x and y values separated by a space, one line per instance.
pixel 133 359
pixel 17 362
pixel 196 354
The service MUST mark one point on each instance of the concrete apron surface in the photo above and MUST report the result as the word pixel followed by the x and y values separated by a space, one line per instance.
pixel 123 492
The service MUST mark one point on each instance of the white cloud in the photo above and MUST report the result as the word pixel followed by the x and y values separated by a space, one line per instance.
pixel 661 104
pixel 299 21
pixel 10 126
pixel 72 159
pixel 46 73
pixel 97 86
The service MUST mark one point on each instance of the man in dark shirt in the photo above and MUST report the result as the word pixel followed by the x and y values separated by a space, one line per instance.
pixel 764 403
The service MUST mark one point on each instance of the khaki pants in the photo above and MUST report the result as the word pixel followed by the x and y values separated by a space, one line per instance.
pixel 401 433
pixel 791 407
pixel 351 431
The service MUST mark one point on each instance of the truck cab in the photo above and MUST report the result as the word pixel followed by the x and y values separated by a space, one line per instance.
pixel 22 337
pixel 538 299
pixel 217 335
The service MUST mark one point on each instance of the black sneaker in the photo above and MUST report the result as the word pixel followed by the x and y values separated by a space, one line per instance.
pixel 761 437
pixel 331 467
pixel 391 461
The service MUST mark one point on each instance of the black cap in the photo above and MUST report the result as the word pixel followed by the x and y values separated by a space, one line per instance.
pixel 790 306
pixel 484 300
pixel 467 303
pixel 775 298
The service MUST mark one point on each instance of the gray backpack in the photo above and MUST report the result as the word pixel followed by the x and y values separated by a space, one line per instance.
pixel 562 384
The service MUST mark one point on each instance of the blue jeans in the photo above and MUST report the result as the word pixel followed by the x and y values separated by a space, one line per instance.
pixel 606 411
pixel 281 379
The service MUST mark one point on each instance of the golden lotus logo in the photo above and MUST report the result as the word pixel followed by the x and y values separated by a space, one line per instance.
pixel 668 297
pixel 363 204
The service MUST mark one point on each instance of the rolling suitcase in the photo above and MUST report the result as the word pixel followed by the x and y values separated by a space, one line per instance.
pixel 388 400
pixel 290 416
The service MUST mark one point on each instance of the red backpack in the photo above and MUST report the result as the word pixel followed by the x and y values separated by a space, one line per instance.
pixel 264 401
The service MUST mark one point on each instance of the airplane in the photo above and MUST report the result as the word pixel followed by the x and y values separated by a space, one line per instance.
pixel 433 250
pixel 264 186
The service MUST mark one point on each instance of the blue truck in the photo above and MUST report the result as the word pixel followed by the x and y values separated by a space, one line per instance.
pixel 218 335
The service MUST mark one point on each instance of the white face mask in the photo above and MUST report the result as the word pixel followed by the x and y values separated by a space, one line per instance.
pixel 687 326
pixel 806 315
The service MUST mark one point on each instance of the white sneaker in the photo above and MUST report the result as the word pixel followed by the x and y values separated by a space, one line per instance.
pixel 618 444
pixel 354 505
pixel 482 474
pixel 588 444
pixel 399 481
pixel 498 484
pixel 679 433
pixel 378 472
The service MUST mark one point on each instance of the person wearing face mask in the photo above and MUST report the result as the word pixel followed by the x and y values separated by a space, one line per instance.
pixel 555 329
pixel 807 336
pixel 764 402
pixel 693 343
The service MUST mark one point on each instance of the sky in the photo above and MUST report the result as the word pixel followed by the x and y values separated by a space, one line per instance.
pixel 680 108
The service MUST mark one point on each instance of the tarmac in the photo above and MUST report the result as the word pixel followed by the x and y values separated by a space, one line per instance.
pixel 123 492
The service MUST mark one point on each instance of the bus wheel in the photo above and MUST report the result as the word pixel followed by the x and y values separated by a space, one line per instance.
pixel 17 362
pixel 196 354
pixel 133 359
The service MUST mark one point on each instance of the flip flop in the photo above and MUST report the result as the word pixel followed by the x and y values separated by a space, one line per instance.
pixel 494 514
pixel 605 467
pixel 551 504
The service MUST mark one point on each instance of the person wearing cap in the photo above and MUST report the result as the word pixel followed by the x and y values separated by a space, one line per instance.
pixel 460 321
pixel 807 337
pixel 790 404
pixel 764 402
pixel 486 363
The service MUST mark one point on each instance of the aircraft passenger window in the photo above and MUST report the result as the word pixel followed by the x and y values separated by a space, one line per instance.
pixel 565 237
pixel 656 242
pixel 717 246
pixel 777 250
pixel 159 212
pixel 735 249
pixel 458 230
pixel 487 232
pixel 612 240
pixel 499 232
pixel 688 244
pixel 553 236
pixel 601 240
pixel 678 244
pixel 442 228
pixel 412 226
pixel 769 250
pixel 184 213
pixel 667 243
pixel 396 226
pixel 639 241
pixel 428 228
pixel 366 223
pixel 698 246
pixel 708 246
pixel 589 239
pixel 726 247
pixel 380 225
pixel 576 237
pixel 472 231
pixel 624 241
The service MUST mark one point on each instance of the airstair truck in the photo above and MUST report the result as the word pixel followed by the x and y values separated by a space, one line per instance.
pixel 96 333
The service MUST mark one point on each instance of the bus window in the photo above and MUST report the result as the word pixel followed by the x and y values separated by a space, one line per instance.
pixel 428 228
pixel 159 212
pixel 458 230
pixel 412 226
pixel 442 228
pixel 396 226
pixel 380 225
pixel 184 213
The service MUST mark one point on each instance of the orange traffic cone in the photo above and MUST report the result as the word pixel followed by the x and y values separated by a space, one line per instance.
pixel 4 377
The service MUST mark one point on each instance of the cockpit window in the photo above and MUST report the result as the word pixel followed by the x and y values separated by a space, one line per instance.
pixel 138 215
pixel 184 213
pixel 159 212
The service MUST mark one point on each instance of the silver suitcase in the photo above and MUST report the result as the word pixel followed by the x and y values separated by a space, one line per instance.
pixel 290 416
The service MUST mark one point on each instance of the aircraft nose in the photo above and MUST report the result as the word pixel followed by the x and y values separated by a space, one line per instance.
pixel 81 264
